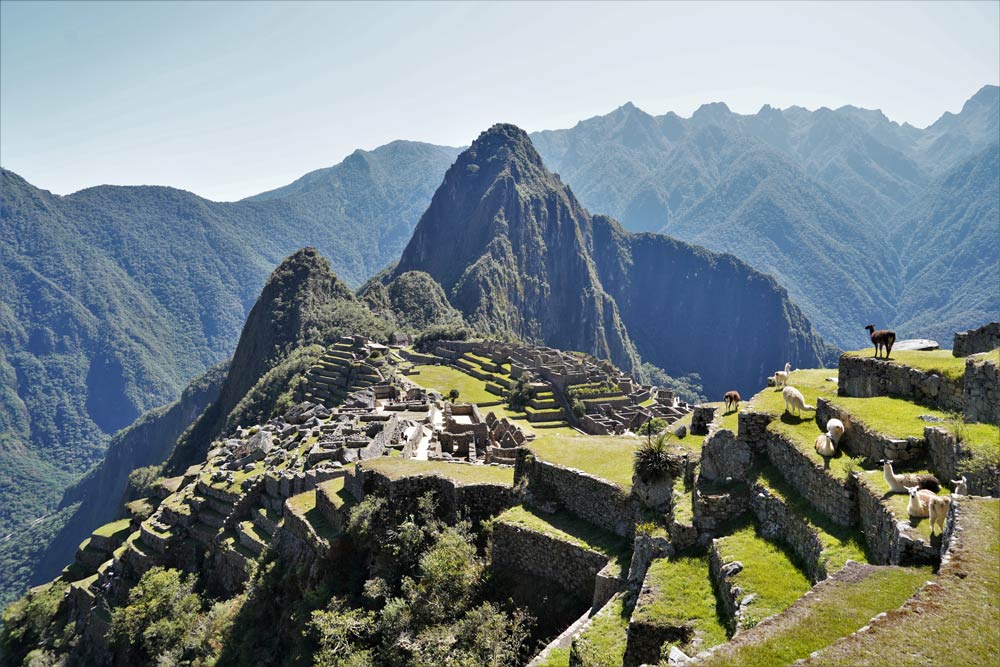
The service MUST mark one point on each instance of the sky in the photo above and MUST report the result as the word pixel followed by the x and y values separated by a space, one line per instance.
pixel 228 99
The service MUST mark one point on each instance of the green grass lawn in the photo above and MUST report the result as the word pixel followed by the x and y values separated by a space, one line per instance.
pixel 569 528
pixel 941 362
pixel 690 441
pixel 335 491
pixel 557 657
pixel 603 642
pixel 463 473
pixel 840 543
pixel 950 633
pixel 445 378
pixel 843 608
pixel 607 457
pixel 116 529
pixel 767 571
pixel 684 596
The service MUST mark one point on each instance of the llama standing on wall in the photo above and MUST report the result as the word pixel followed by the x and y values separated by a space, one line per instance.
pixel 881 339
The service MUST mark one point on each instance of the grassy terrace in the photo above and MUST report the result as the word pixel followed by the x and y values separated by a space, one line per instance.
pixel 898 502
pixel 304 506
pixel 607 457
pixel 893 417
pixel 116 529
pixel 566 527
pixel 767 571
pixel 445 378
pixel 461 473
pixel 602 643
pixel 840 543
pixel 684 596
pixel 817 621
pixel 690 441
pixel 957 620
pixel 335 491
pixel 941 362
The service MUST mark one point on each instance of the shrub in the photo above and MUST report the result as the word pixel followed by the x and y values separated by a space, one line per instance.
pixel 651 461
pixel 579 408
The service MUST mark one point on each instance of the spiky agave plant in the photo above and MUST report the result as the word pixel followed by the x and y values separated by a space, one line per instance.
pixel 651 462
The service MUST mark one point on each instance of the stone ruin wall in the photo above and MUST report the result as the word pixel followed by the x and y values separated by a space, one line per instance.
pixel 950 460
pixel 859 440
pixel 593 499
pixel 865 377
pixel 981 391
pixel 833 498
pixel 778 523
pixel 573 568
pixel 973 341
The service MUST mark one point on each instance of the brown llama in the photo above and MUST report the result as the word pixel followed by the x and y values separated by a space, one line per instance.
pixel 732 399
pixel 882 339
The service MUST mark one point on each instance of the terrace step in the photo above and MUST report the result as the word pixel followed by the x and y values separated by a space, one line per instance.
pixel 894 538
pixel 675 606
pixel 781 514
pixel 835 607
pixel 249 538
pixel 753 578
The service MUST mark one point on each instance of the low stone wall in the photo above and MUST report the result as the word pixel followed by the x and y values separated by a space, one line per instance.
pixel 702 418
pixel 573 568
pixel 778 523
pixel 834 498
pixel 973 341
pixel 981 391
pixel 864 377
pixel 728 593
pixel 890 541
pixel 950 460
pixel 859 440
pixel 724 456
pixel 645 637
pixel 593 499
pixel 753 429
pixel 645 549
pixel 476 502
pixel 608 582
pixel 716 505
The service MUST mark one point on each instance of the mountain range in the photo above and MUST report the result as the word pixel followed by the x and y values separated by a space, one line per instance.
pixel 113 298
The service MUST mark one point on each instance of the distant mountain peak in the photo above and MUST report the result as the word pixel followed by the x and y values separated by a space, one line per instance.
pixel 711 110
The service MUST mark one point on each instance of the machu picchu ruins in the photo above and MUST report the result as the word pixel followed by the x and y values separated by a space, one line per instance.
pixel 742 512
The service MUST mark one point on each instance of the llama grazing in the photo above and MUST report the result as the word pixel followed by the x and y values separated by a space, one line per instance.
pixel 794 399
pixel 882 339
pixel 937 509
pixel 781 377
pixel 898 483
pixel 835 428
pixel 961 486
pixel 825 445
pixel 920 501
pixel 732 399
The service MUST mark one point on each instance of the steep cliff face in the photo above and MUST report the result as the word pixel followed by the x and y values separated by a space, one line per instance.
pixel 146 442
pixel 691 310
pixel 518 255
pixel 508 243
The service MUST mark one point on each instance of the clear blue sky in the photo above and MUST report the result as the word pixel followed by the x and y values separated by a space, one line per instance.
pixel 230 99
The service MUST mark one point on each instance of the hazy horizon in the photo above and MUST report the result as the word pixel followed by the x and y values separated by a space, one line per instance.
pixel 228 100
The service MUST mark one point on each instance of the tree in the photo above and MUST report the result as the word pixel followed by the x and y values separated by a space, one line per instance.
pixel 162 611
pixel 453 395
pixel 652 427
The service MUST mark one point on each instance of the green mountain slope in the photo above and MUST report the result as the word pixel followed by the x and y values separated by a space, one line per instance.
pixel 113 298
pixel 518 255
pixel 949 245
